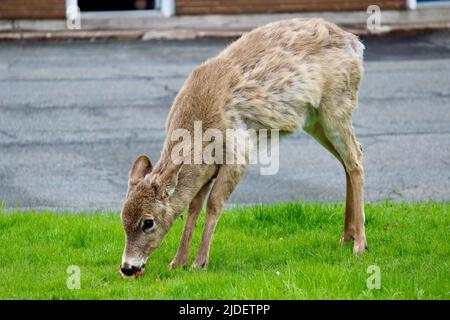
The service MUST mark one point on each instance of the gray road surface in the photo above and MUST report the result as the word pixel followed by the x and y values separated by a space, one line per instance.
pixel 73 116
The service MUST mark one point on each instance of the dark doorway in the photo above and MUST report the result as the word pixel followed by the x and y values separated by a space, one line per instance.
pixel 114 5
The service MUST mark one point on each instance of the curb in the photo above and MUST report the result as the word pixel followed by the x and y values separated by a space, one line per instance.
pixel 190 34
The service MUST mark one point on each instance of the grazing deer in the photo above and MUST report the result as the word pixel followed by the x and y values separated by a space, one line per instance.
pixel 287 75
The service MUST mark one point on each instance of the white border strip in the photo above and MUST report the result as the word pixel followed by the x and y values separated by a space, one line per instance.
pixel 411 4
pixel 168 8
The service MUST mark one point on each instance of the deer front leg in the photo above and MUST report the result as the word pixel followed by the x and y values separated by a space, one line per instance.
pixel 227 179
pixel 195 207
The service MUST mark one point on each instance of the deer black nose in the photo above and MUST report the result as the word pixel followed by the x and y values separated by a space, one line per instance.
pixel 128 271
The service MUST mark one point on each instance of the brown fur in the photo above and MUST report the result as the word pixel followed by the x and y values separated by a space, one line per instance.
pixel 288 75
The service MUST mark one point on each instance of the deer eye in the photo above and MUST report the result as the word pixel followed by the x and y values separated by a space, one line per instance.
pixel 147 225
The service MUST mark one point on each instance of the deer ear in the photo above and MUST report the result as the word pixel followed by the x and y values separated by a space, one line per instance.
pixel 141 167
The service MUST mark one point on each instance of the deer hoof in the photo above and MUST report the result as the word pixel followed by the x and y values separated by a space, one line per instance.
pixel 200 265
pixel 346 238
pixel 176 264
pixel 360 247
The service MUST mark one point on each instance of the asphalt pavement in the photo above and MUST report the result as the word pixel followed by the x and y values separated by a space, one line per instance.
pixel 74 115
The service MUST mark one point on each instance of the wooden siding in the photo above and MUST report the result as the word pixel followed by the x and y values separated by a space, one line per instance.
pixel 185 7
pixel 32 9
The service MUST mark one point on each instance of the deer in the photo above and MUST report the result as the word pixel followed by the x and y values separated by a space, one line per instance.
pixel 287 75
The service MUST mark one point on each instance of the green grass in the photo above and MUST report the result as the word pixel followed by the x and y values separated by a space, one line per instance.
pixel 286 251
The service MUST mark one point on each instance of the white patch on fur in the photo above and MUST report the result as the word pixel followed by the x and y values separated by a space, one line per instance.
pixel 132 262
pixel 357 49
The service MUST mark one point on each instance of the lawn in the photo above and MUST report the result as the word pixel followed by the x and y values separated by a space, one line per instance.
pixel 283 251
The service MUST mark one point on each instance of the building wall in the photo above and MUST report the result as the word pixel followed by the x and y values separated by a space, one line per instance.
pixel 184 7
pixel 32 9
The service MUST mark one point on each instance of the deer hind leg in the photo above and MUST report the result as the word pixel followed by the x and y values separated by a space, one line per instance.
pixel 340 133
pixel 195 207
pixel 227 179
pixel 317 132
